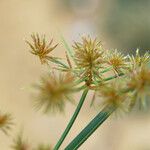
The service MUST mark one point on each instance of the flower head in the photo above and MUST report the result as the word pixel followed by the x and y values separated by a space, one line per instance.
pixel 5 122
pixel 139 82
pixel 54 91
pixel 88 56
pixel 41 48
pixel 116 59
pixel 138 60
pixel 20 144
pixel 112 94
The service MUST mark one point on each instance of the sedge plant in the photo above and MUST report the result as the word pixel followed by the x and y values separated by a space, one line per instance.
pixel 119 82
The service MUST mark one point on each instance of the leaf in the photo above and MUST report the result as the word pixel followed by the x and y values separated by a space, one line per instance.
pixel 90 128
pixel 69 50
pixel 72 120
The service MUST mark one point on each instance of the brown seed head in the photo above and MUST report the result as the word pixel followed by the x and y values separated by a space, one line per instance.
pixel 5 122
pixel 116 59
pixel 111 94
pixel 138 60
pixel 54 91
pixel 41 48
pixel 88 56
pixel 139 82
pixel 140 79
pixel 20 144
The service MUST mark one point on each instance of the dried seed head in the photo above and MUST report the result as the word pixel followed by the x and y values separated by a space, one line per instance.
pixel 111 94
pixel 138 60
pixel 5 122
pixel 139 82
pixel 117 60
pixel 41 48
pixel 54 91
pixel 20 144
pixel 88 56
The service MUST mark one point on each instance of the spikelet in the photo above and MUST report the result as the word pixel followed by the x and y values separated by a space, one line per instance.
pixel 20 144
pixel 54 91
pixel 117 60
pixel 88 57
pixel 111 94
pixel 138 60
pixel 5 122
pixel 41 48
pixel 139 82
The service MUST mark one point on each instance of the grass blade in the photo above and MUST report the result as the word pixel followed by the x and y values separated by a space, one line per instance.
pixel 69 50
pixel 72 120
pixel 90 128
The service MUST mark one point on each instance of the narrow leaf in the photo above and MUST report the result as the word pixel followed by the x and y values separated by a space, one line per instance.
pixel 69 50
pixel 71 122
pixel 90 128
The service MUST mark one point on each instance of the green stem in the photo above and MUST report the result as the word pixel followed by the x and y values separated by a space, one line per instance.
pixel 72 120
pixel 110 78
pixel 80 88
pixel 113 77
pixel 106 70
pixel 56 61
pixel 93 125
pixel 90 128
pixel 69 50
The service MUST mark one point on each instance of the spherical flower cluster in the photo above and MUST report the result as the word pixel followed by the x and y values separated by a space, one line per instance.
pixel 139 83
pixel 88 57
pixel 5 122
pixel 138 60
pixel 41 48
pixel 20 144
pixel 117 60
pixel 113 94
pixel 54 91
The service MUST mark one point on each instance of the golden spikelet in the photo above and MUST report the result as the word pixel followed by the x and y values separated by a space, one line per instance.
pixel 41 48
pixel 20 144
pixel 139 82
pixel 112 94
pixel 138 60
pixel 5 122
pixel 54 91
pixel 117 60
pixel 88 57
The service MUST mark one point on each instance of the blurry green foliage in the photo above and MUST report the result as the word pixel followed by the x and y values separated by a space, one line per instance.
pixel 124 24
pixel 127 23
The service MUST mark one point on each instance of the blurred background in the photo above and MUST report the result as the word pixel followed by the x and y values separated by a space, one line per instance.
pixel 121 24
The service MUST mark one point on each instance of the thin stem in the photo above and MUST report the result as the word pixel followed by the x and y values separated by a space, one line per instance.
pixel 113 77
pixel 93 125
pixel 106 70
pixel 69 50
pixel 80 80
pixel 56 61
pixel 110 78
pixel 66 131
pixel 90 128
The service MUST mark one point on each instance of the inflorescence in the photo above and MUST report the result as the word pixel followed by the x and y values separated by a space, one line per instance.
pixel 91 67
pixel 119 81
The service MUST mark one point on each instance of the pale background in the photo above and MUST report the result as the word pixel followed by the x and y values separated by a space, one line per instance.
pixel 19 69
